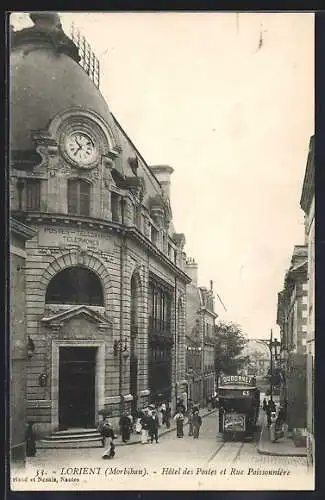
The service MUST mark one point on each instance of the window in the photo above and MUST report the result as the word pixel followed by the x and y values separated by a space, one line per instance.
pixel 75 285
pixel 137 216
pixel 159 304
pixel 78 197
pixel 154 235
pixel 33 194
pixel 115 207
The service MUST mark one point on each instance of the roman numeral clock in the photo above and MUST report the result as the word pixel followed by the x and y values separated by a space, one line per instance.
pixel 81 149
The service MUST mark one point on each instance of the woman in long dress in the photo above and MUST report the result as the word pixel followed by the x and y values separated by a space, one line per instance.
pixel 144 427
pixel 179 418
pixel 108 436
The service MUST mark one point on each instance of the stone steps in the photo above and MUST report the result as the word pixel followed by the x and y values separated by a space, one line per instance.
pixel 72 438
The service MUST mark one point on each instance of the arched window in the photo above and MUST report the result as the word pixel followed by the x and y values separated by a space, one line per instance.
pixel 75 285
pixel 78 197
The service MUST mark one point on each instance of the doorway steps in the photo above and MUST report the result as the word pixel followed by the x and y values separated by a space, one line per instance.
pixel 72 438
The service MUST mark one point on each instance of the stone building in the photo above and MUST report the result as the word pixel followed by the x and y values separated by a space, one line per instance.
pixel 21 348
pixel 105 279
pixel 292 320
pixel 200 328
pixel 307 203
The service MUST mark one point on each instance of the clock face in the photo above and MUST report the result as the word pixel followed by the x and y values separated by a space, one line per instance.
pixel 80 148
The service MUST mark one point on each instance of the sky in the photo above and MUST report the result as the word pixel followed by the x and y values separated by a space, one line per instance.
pixel 233 117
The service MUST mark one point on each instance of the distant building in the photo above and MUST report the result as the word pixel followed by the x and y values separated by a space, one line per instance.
pixel 292 320
pixel 307 203
pixel 259 358
pixel 200 337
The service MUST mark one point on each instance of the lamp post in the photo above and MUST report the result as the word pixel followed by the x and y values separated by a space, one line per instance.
pixel 273 346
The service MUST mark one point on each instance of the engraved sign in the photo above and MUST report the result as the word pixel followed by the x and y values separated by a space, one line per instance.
pixel 63 237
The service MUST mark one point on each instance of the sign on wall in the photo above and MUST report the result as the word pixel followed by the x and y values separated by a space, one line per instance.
pixel 54 236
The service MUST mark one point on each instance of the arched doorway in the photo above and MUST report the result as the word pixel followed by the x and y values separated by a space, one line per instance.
pixel 134 325
pixel 76 285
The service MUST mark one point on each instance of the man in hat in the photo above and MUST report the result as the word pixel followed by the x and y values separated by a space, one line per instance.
pixel 125 426
pixel 196 422
pixel 153 425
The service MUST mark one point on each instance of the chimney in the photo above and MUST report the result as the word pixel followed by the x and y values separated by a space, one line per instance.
pixel 163 173
pixel 191 269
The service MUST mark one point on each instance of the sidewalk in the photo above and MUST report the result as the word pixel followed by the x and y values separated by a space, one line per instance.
pixel 136 438
pixel 283 447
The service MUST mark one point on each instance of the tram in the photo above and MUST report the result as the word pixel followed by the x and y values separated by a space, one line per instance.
pixel 239 404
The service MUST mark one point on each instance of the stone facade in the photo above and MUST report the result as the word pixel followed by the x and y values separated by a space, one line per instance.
pixel 307 203
pixel 200 328
pixel 104 236
pixel 292 319
pixel 19 234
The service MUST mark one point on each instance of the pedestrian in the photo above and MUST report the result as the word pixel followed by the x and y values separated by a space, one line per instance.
pixel 30 441
pixel 179 418
pixel 153 425
pixel 180 406
pixel 209 404
pixel 138 425
pixel 144 426
pixel 125 427
pixel 196 422
pixel 270 408
pixel 167 417
pixel 106 430
pixel 190 423
pixel 264 404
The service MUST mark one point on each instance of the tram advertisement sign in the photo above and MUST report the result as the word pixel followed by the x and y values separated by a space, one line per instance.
pixel 237 380
pixel 234 422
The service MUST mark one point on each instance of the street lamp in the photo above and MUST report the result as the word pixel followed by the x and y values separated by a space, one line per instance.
pixel 273 346
pixel 121 349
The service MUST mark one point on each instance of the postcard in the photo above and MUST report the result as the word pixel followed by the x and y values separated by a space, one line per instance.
pixel 161 184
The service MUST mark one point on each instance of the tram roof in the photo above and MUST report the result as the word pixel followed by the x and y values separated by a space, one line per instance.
pixel 238 387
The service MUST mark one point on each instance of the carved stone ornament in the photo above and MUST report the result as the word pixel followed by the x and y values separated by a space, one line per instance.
pixel 93 175
pixel 49 251
pixel 56 321
pixel 46 146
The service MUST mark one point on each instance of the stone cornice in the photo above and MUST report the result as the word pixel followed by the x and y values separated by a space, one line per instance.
pixel 20 229
pixel 308 188
pixel 99 224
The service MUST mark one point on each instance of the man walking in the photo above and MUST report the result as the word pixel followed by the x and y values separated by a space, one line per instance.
pixel 153 425
pixel 125 426
pixel 197 422
pixel 190 423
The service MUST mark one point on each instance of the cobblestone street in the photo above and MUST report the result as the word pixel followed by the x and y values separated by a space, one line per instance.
pixel 174 464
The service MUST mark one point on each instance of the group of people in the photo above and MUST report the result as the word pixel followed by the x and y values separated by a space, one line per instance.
pixel 193 416
pixel 147 421
pixel 270 407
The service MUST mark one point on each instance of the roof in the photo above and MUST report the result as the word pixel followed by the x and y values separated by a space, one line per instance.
pixel 238 387
pixel 43 84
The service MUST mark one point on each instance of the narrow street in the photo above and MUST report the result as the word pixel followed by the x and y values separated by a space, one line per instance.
pixel 173 463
